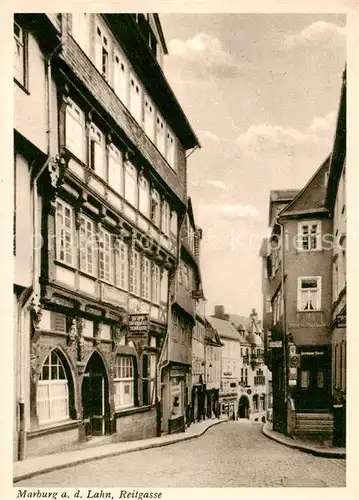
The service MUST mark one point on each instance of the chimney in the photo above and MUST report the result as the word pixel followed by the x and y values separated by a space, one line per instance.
pixel 219 312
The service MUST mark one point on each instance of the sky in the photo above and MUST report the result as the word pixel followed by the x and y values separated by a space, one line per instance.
pixel 261 92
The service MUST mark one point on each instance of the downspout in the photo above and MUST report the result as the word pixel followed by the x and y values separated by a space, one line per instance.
pixel 32 292
pixel 284 312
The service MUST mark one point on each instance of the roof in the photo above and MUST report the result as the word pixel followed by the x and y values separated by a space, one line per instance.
pixel 238 321
pixel 283 194
pixel 225 329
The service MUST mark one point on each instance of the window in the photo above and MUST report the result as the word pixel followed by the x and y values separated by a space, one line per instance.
pixel 246 377
pixel 122 266
pixel 242 377
pixel 20 56
pixel 97 151
pixel 268 304
pixel 120 77
pixel 174 223
pixel 124 382
pixel 309 294
pixel 155 208
pixel 156 284
pixel 149 118
pixel 170 148
pixel 259 378
pixel 115 170
pixel 52 391
pixel 148 379
pixel 262 402
pixel 87 246
pixel 136 99
pixel 131 184
pixel 160 135
pixel 102 51
pixel 144 196
pixel 64 233
pixel 135 272
pixel 255 402
pixel 75 130
pixel 166 215
pixel 186 276
pixel 146 279
pixel 175 327
pixel 105 249
pixel 304 379
pixel 309 236
pixel 81 30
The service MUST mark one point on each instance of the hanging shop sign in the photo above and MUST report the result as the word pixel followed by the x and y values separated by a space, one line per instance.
pixel 138 326
pixel 275 344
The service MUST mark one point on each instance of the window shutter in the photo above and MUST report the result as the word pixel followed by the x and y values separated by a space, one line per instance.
pixel 319 295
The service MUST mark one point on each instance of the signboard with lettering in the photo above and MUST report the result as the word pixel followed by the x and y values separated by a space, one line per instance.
pixel 138 326
pixel 274 344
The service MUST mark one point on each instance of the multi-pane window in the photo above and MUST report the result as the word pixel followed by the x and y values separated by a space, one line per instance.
pixel 97 151
pixel 170 148
pixel 246 377
pixel 174 223
pixel 102 51
pixel 149 118
pixel 259 378
pixel 148 379
pixel 144 196
pixel 160 135
pixel 124 382
pixel 309 236
pixel 156 284
pixel 122 266
pixel 87 246
pixel 155 208
pixel 105 254
pixel 81 30
pixel 135 272
pixel 131 184
pixel 309 293
pixel 115 170
pixel 75 130
pixel 166 218
pixel 136 98
pixel 52 391
pixel 20 47
pixel 146 279
pixel 120 77
pixel 64 233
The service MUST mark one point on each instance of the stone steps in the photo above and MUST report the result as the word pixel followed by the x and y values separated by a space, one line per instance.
pixel 314 423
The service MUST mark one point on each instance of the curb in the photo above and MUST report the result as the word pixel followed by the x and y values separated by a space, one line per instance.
pixel 328 453
pixel 113 453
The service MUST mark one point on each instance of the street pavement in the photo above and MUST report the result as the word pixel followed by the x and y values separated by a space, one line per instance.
pixel 232 454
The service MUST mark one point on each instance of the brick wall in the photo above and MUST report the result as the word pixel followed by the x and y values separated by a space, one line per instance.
pixel 52 443
pixel 136 426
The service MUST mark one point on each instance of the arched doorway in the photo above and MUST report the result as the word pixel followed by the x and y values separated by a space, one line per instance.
pixel 95 400
pixel 243 407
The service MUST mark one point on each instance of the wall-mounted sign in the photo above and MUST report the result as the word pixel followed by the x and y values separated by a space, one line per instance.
pixel 292 382
pixel 197 294
pixel 275 344
pixel 138 326
pixel 312 353
pixel 341 321
pixel 292 350
pixel 294 361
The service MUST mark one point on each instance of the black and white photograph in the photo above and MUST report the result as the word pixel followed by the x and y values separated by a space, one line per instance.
pixel 178 195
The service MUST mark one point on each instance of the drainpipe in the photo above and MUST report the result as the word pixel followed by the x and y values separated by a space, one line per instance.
pixel 32 292
pixel 284 312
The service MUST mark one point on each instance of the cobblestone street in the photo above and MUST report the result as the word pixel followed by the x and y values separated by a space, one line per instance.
pixel 232 454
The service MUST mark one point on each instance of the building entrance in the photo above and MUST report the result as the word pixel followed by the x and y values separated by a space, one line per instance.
pixel 243 407
pixel 313 381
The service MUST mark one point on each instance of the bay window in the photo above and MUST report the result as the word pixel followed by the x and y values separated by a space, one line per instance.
pixel 75 130
pixel 97 152
pixel 52 391
pixel 105 256
pixel 115 169
pixel 309 236
pixel 146 279
pixel 156 284
pixel 131 184
pixel 87 246
pixel 65 251
pixel 122 266
pixel 124 382
pixel 135 272
pixel 309 293
pixel 144 196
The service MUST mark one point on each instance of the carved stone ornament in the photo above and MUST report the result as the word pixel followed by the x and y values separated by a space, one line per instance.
pixel 57 166
pixel 80 339
pixel 97 333
pixel 35 312
pixel 71 331
pixel 117 333
pixel 33 362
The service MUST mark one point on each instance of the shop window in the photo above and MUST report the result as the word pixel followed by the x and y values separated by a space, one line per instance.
pixel 320 380
pixel 304 379
pixel 20 54
pixel 124 382
pixel 149 379
pixel 52 391
pixel 64 233
pixel 115 170
pixel 309 294
pixel 309 236
pixel 176 397
pixel 75 137
pixel 105 256
pixel 87 246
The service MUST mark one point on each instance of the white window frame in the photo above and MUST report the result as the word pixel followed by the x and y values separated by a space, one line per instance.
pixel 20 55
pixel 97 152
pixel 65 234
pixel 81 30
pixel 131 195
pixel 124 376
pixel 75 134
pixel 105 256
pixel 122 266
pixel 156 284
pixel 144 201
pixel 160 134
pixel 146 279
pixel 103 50
pixel 120 76
pixel 135 273
pixel 170 148
pixel 310 236
pixel 318 290
pixel 149 118
pixel 87 238
pixel 155 210
pixel 115 169
pixel 136 98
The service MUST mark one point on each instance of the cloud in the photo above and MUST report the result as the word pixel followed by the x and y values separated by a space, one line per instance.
pixel 230 211
pixel 218 184
pixel 206 134
pixel 202 56
pixel 322 124
pixel 319 32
